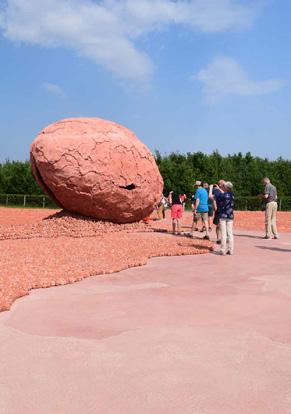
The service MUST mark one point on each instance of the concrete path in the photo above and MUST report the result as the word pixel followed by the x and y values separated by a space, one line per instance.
pixel 183 335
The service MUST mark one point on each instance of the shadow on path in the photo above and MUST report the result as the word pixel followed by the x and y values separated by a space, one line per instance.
pixel 275 249
pixel 249 236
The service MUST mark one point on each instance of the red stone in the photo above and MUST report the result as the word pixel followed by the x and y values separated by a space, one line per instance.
pixel 96 168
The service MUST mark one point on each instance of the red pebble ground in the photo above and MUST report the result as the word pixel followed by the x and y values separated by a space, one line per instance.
pixel 245 220
pixel 42 248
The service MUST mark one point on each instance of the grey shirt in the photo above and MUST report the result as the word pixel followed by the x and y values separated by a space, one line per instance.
pixel 271 190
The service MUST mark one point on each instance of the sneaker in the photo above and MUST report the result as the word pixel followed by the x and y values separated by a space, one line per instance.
pixel 276 237
pixel 267 238
pixel 218 242
pixel 229 253
pixel 206 238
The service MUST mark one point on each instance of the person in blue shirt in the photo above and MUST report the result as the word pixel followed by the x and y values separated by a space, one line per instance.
pixel 200 208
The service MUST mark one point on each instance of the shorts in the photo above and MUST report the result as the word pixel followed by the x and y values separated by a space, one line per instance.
pixel 203 216
pixel 216 219
pixel 176 211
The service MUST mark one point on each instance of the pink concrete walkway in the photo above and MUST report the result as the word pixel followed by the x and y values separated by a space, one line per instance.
pixel 191 335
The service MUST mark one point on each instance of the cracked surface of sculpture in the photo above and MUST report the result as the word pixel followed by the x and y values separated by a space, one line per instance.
pixel 96 168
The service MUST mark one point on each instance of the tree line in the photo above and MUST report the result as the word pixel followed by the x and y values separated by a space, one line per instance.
pixel 244 171
pixel 179 171
pixel 16 178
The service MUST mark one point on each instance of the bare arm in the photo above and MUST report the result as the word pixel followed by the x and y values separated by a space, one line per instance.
pixel 211 192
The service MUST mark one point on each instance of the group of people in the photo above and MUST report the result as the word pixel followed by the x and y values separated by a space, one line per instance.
pixel 215 203
pixel 208 201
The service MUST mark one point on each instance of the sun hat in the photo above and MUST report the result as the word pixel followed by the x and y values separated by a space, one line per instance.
pixel 197 183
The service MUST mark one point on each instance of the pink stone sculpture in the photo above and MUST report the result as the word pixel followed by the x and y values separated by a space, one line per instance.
pixel 96 168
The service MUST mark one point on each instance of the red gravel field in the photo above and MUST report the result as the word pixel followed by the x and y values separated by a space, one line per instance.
pixel 254 220
pixel 244 220
pixel 42 248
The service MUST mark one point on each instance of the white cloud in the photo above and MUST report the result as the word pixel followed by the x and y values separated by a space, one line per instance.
pixel 143 16
pixel 54 89
pixel 106 31
pixel 224 76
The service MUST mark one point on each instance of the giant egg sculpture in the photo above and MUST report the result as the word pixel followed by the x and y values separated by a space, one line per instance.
pixel 96 168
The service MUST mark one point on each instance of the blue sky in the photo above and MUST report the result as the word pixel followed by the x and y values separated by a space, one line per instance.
pixel 183 75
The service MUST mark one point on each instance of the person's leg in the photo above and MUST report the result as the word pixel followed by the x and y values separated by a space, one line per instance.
pixel 164 212
pixel 197 221
pixel 210 217
pixel 196 218
pixel 193 223
pixel 178 226
pixel 179 216
pixel 159 212
pixel 230 239
pixel 205 223
pixel 268 218
pixel 223 236
pixel 274 220
pixel 209 223
pixel 217 229
pixel 174 222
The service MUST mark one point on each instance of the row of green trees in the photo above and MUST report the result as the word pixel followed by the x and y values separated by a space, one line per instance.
pixel 244 171
pixel 16 178
pixel 179 172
